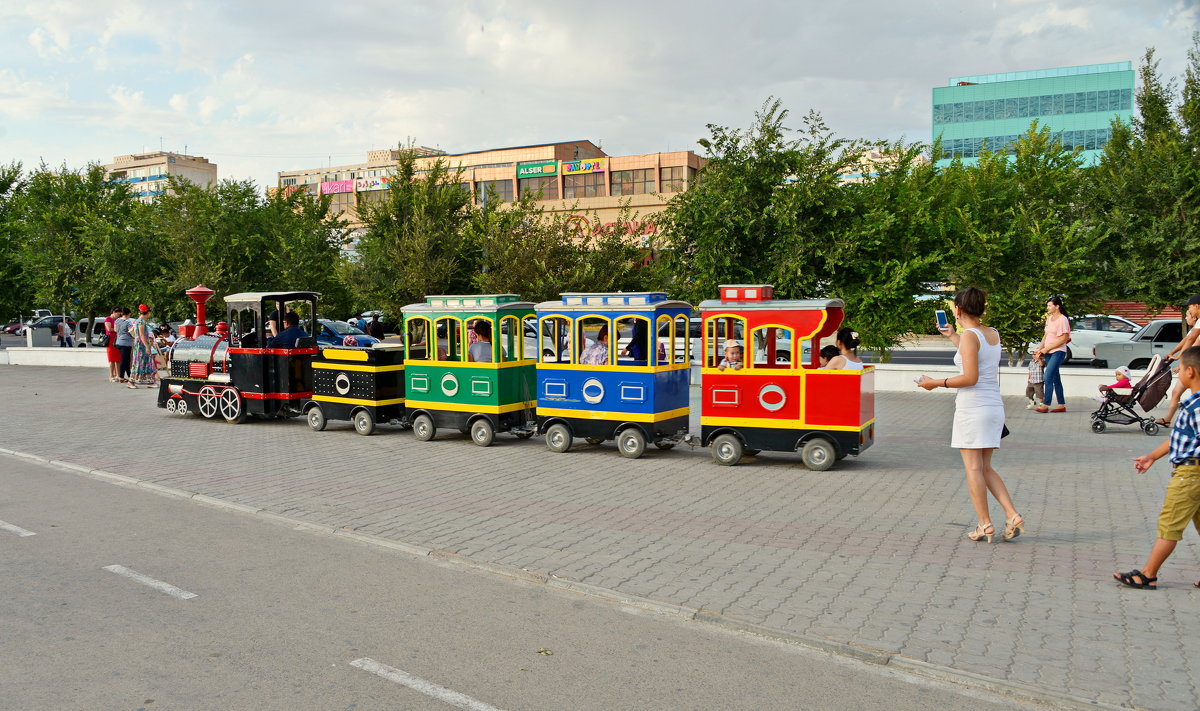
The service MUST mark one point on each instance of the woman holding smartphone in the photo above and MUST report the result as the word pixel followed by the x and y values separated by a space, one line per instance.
pixel 978 411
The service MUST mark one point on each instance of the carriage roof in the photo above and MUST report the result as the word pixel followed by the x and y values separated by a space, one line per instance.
pixel 632 301
pixel 472 303
pixel 254 298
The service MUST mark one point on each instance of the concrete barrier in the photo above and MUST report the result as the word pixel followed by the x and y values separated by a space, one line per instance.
pixel 74 357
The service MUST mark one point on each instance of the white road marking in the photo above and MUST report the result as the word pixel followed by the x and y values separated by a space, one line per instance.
pixel 428 688
pixel 156 584
pixel 15 529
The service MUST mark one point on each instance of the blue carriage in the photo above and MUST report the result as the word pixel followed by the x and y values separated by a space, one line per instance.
pixel 613 366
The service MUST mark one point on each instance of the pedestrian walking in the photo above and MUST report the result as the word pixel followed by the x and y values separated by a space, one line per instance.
pixel 110 345
pixel 65 339
pixel 143 370
pixel 978 412
pixel 375 328
pixel 1191 315
pixel 1181 505
pixel 124 344
pixel 1034 382
pixel 1056 336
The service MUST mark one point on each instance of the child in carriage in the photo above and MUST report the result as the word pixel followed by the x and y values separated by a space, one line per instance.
pixel 1123 383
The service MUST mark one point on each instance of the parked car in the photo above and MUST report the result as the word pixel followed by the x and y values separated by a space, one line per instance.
pixel 14 324
pixel 97 332
pixel 333 333
pixel 1093 329
pixel 50 322
pixel 1157 337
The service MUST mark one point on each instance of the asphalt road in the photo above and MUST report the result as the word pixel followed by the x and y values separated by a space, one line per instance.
pixel 284 618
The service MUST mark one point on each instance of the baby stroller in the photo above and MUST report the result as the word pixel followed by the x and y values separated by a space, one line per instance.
pixel 1147 393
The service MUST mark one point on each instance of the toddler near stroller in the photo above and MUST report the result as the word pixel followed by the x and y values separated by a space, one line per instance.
pixel 1120 409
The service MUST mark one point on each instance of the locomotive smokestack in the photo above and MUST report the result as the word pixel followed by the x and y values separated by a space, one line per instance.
pixel 200 294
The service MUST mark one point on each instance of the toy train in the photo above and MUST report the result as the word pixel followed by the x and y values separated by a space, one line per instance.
pixel 610 366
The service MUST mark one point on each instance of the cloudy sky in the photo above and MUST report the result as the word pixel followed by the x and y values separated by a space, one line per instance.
pixel 262 86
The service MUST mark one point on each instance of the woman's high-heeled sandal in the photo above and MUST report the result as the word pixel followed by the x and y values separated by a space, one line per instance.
pixel 982 531
pixel 1013 527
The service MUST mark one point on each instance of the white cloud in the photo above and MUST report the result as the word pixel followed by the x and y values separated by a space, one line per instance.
pixel 178 102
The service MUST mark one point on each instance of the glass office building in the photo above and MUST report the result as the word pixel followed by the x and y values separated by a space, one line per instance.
pixel 1077 103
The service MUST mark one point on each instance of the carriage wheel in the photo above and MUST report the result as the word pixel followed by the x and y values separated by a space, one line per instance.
pixel 631 443
pixel 727 450
pixel 1150 428
pixel 558 438
pixel 423 427
pixel 482 432
pixel 364 423
pixel 231 406
pixel 207 401
pixel 316 418
pixel 818 454
pixel 1098 426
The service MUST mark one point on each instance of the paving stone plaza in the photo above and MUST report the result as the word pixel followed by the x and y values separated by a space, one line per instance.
pixel 871 553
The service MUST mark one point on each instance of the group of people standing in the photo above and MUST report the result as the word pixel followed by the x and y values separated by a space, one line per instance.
pixel 132 348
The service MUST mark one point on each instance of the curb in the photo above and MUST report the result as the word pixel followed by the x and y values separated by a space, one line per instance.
pixel 868 655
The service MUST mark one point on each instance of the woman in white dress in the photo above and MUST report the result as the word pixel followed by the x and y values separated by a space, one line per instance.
pixel 978 412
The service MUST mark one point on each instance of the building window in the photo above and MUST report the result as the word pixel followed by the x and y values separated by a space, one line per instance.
pixel 1089 140
pixel 583 185
pixel 633 182
pixel 503 190
pixel 676 178
pixel 288 181
pixel 540 188
pixel 341 202
pixel 1106 100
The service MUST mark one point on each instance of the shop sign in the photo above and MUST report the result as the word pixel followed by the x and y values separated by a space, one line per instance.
pixel 537 170
pixel 382 182
pixel 583 166
pixel 337 186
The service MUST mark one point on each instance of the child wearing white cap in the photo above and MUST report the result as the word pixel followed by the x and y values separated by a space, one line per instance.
pixel 733 356
pixel 1123 383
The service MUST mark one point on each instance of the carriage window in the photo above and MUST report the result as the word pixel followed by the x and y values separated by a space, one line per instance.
pixel 592 341
pixel 634 344
pixel 416 331
pixel 510 339
pixel 477 353
pixel 718 332
pixel 529 337
pixel 243 329
pixel 555 337
pixel 772 347
pixel 683 339
pixel 449 339
pixel 666 335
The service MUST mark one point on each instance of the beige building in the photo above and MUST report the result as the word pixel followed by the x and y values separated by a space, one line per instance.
pixel 870 164
pixel 147 173
pixel 574 177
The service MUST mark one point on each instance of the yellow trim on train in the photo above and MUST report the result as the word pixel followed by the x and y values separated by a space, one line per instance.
pixel 338 354
pixel 465 364
pixel 779 424
pixel 623 416
pixel 783 372
pixel 616 368
pixel 356 401
pixel 359 368
pixel 456 407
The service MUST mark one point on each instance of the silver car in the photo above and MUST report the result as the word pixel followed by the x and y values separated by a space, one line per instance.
pixel 1089 331
pixel 1155 338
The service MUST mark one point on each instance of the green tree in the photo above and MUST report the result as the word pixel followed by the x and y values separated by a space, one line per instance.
pixel 417 240
pixel 15 299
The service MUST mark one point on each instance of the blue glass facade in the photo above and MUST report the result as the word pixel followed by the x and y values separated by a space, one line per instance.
pixel 1076 103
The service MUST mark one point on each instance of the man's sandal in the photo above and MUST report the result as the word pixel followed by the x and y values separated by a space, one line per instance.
pixel 1162 421
pixel 1147 583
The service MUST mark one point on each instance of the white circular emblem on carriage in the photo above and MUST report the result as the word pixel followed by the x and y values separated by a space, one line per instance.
pixel 772 398
pixel 450 384
pixel 593 391
pixel 342 383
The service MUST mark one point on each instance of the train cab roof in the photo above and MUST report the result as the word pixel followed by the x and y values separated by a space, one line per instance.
pixel 762 297
pixel 472 303
pixel 620 301
pixel 249 299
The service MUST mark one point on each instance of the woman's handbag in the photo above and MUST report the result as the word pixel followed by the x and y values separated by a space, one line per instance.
pixel 104 341
pixel 1003 431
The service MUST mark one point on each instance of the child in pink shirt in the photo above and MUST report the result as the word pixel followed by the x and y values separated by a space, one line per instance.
pixel 1123 383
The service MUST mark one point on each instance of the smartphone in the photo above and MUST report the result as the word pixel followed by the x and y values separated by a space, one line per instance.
pixel 941 319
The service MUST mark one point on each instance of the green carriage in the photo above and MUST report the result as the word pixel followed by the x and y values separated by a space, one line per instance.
pixel 469 365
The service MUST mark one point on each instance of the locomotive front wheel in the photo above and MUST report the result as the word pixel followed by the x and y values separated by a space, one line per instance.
pixel 558 438
pixel 631 443
pixel 423 428
pixel 818 454
pixel 231 407
pixel 170 407
pixel 364 423
pixel 208 401
pixel 316 418
pixel 482 432
pixel 727 450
